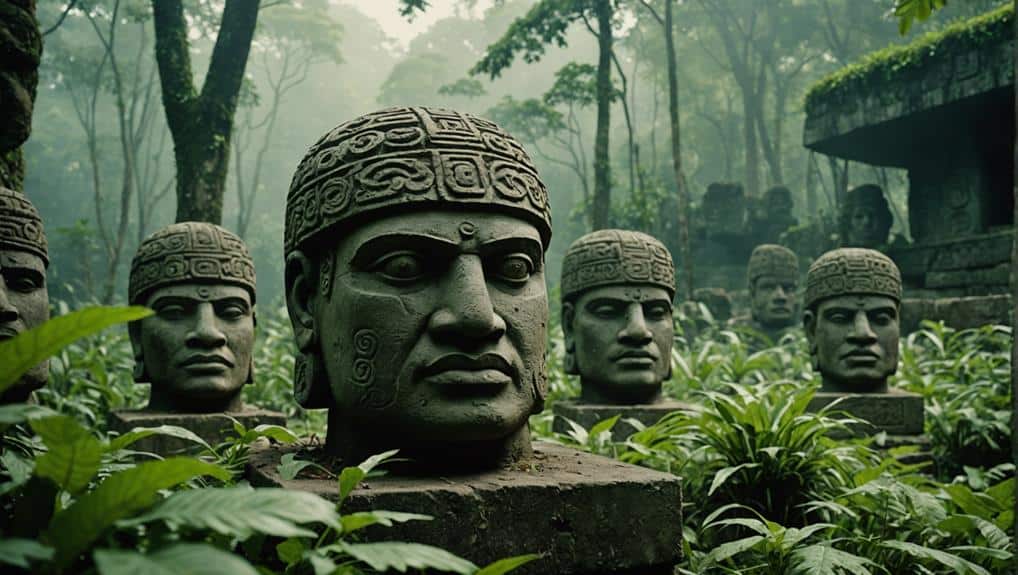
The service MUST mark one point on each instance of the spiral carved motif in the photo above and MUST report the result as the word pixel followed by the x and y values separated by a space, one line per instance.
pixel 21 226
pixel 396 157
pixel 190 252
pixel 362 376
pixel 616 257
pixel 849 271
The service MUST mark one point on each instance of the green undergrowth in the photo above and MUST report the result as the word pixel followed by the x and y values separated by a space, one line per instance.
pixel 890 64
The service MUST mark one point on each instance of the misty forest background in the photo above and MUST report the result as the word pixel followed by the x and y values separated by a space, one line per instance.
pixel 100 159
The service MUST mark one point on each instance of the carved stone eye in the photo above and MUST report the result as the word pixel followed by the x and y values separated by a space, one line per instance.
pixel 515 268
pixel 401 267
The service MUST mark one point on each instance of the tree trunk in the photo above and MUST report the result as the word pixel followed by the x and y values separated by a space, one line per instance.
pixel 752 150
pixel 202 124
pixel 685 252
pixel 602 170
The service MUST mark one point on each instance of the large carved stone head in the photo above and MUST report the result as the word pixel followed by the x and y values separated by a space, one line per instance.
pixel 851 319
pixel 773 279
pixel 724 208
pixel 617 289
pixel 24 301
pixel 415 242
pixel 865 218
pixel 778 203
pixel 196 350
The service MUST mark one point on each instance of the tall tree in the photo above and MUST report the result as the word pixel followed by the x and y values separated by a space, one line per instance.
pixel 201 123
pixel 547 23
pixel 682 190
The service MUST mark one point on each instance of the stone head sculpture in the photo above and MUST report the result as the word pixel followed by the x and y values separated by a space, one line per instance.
pixel 851 318
pixel 724 208
pixel 414 243
pixel 778 202
pixel 196 349
pixel 865 218
pixel 24 301
pixel 773 280
pixel 617 289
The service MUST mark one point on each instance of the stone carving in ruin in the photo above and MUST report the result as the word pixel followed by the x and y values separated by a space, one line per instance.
pixel 851 318
pixel 865 219
pixel 414 243
pixel 196 350
pixel 617 289
pixel 24 301
pixel 772 277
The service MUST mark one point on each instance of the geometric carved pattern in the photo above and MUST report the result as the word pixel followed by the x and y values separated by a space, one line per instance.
pixel 772 260
pixel 401 158
pixel 852 271
pixel 612 257
pixel 20 225
pixel 190 252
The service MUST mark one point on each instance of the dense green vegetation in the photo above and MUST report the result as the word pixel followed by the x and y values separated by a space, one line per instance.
pixel 768 487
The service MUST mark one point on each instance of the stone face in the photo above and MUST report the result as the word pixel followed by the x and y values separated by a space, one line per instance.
pixel 212 427
pixel 773 281
pixel 588 415
pixel 895 412
pixel 196 350
pixel 415 242
pixel 587 514
pixel 24 301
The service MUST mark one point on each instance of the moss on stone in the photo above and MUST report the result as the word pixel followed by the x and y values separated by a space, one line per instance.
pixel 887 64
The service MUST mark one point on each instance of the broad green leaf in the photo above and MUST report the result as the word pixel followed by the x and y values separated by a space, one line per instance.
pixel 733 548
pixel 823 559
pixel 139 433
pixel 978 504
pixel 289 466
pixel 506 565
pixel 189 558
pixel 241 511
pixel 17 468
pixel 603 426
pixel 21 412
pixel 279 433
pixel 959 565
pixel 121 495
pixel 349 478
pixel 360 520
pixel 402 556
pixel 322 565
pixel 73 454
pixel 26 350
pixel 20 552
pixel 291 551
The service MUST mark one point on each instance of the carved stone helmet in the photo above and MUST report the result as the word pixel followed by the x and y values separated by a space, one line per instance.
pixel 614 257
pixel 848 271
pixel 21 226
pixel 190 252
pixel 772 260
pixel 398 160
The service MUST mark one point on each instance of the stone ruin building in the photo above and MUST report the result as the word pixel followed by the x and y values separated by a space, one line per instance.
pixel 941 108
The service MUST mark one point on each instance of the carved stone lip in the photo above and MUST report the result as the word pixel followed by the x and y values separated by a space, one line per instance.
pixel 635 354
pixel 203 360
pixel 464 362
pixel 861 354
pixel 7 332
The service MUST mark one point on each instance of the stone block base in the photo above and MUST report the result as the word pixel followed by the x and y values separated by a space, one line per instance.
pixel 894 412
pixel 587 515
pixel 588 414
pixel 212 427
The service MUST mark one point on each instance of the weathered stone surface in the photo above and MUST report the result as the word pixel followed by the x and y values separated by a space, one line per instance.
pixel 586 514
pixel 588 415
pixel 959 313
pixel 895 412
pixel 212 427
pixel 996 275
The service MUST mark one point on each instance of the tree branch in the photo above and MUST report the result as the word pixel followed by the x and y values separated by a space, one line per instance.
pixel 60 20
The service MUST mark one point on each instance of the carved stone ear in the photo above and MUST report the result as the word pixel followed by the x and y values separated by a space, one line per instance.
pixel 809 325
pixel 569 364
pixel 301 283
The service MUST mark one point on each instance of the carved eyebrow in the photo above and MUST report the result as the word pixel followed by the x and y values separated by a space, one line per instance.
pixel 184 300
pixel 32 273
pixel 529 246
pixel 370 250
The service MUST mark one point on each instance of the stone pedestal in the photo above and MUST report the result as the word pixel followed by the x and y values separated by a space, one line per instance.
pixel 212 427
pixel 587 515
pixel 589 414
pixel 895 412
